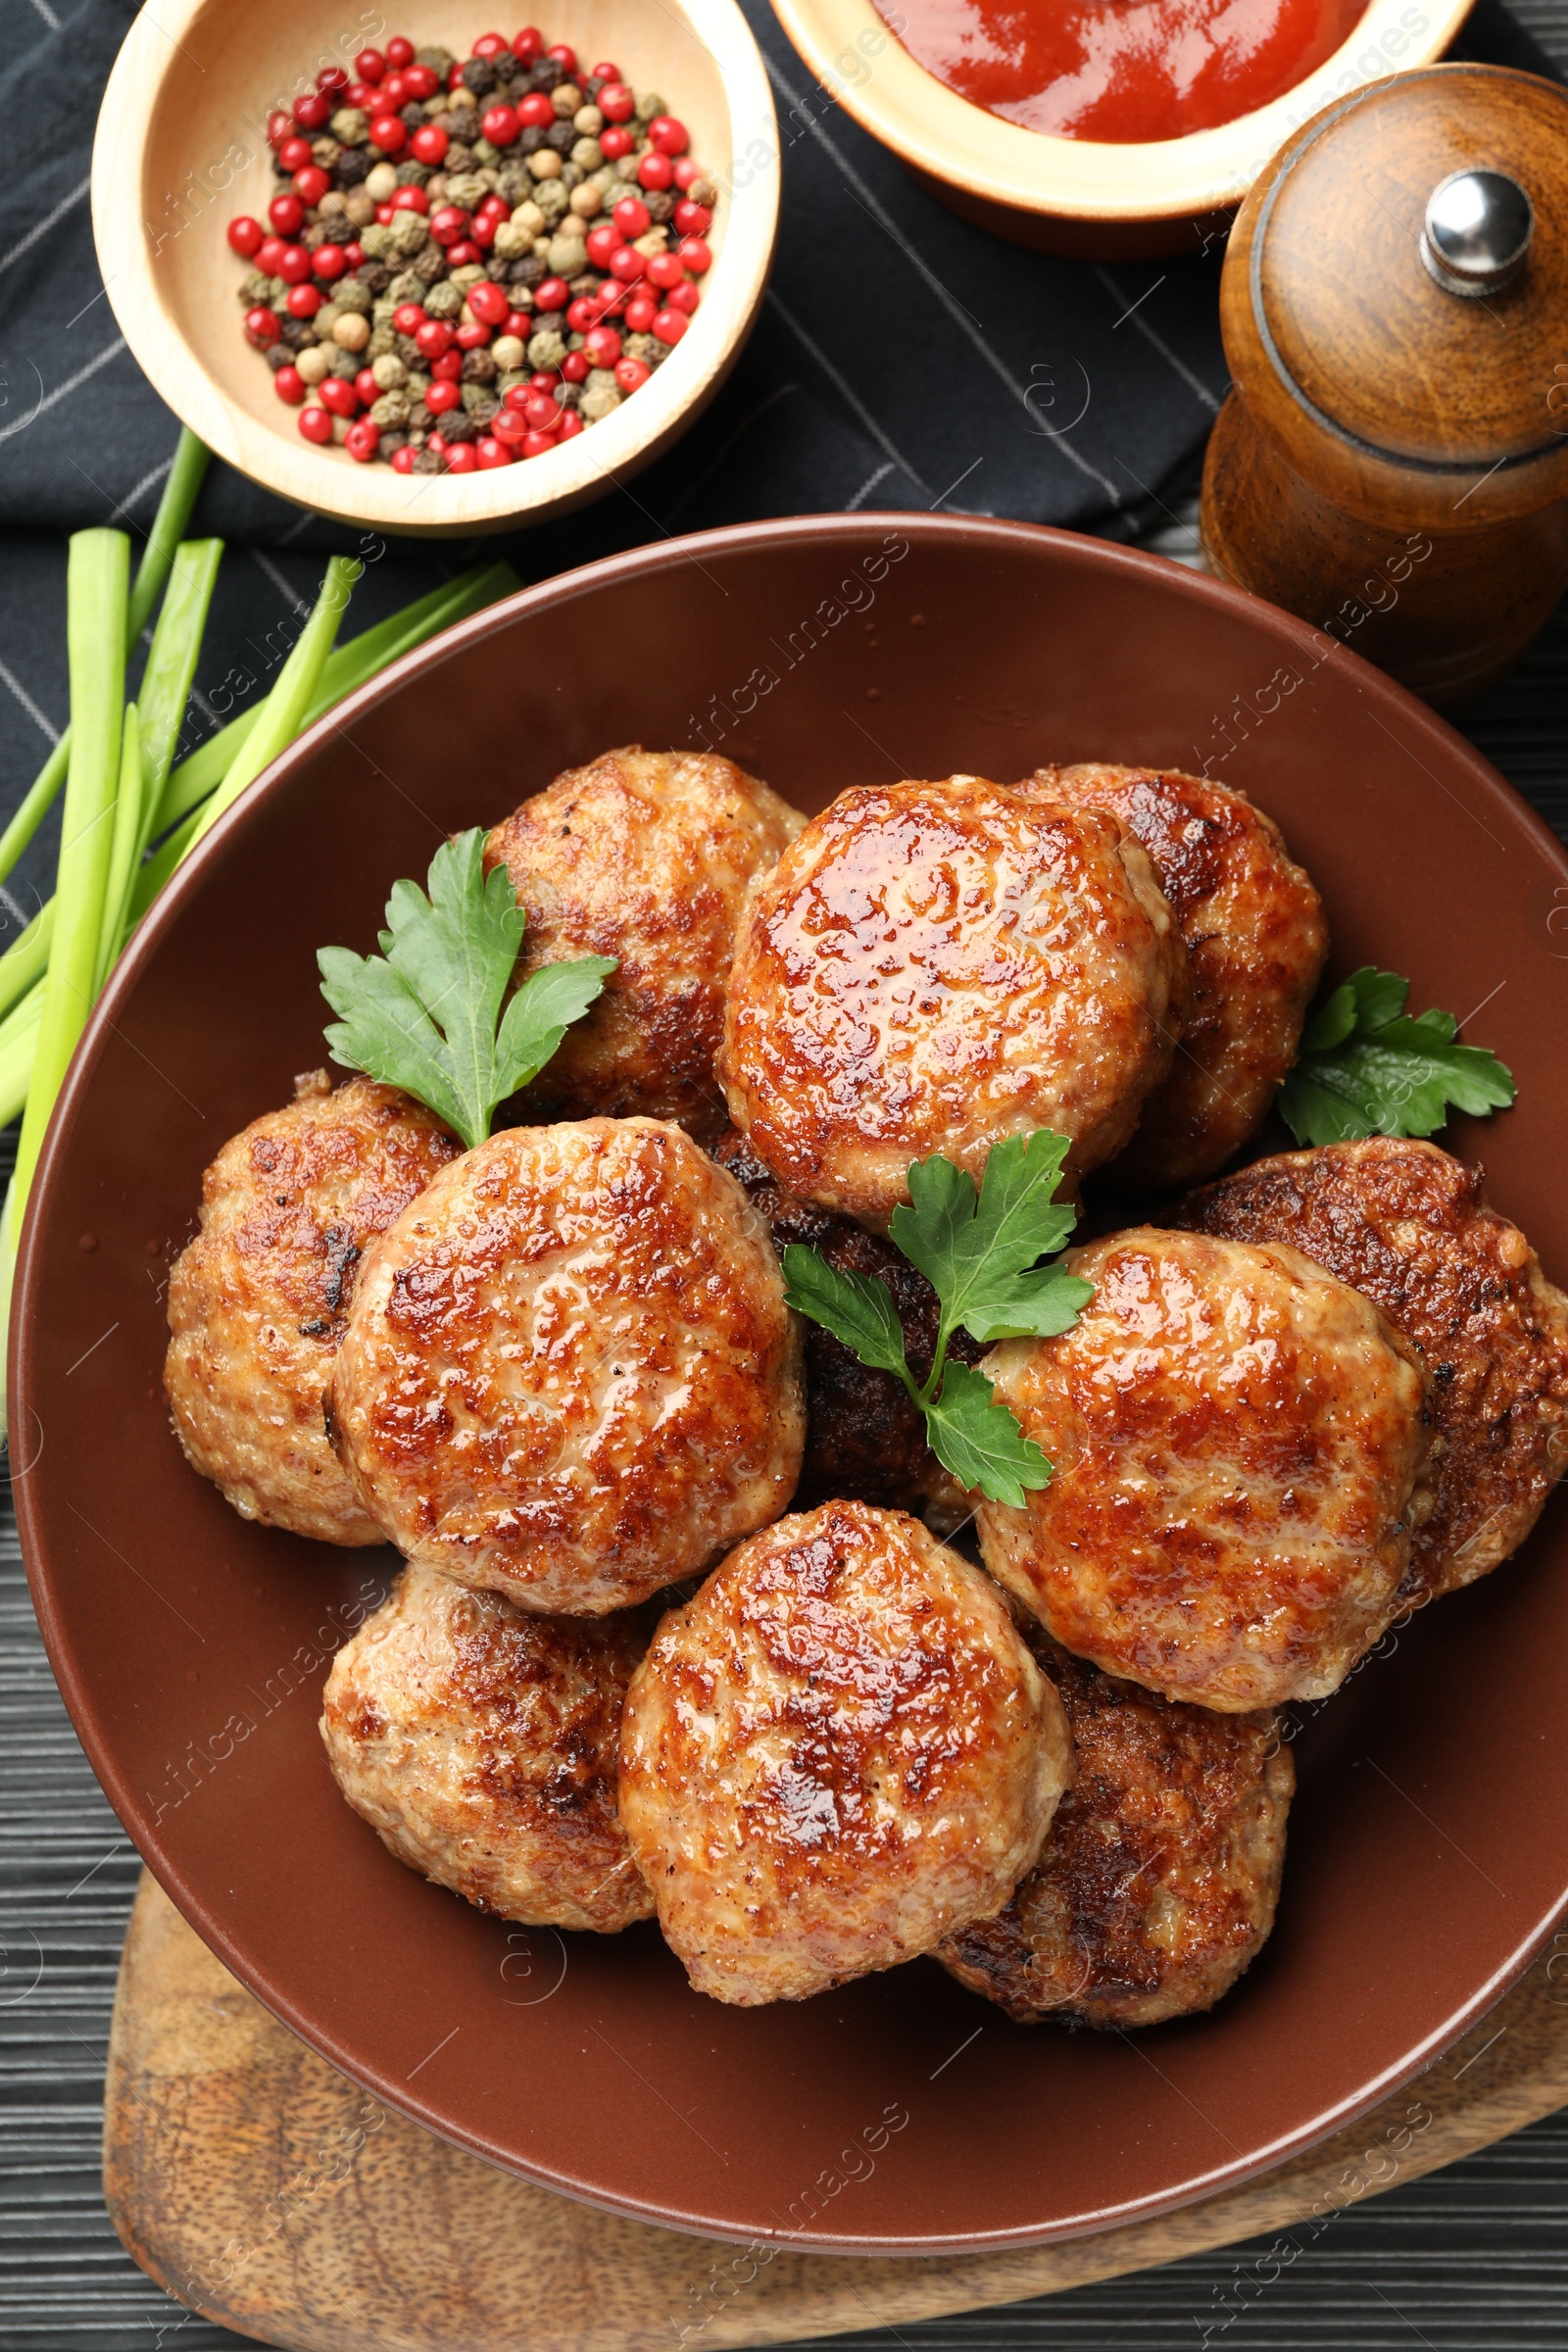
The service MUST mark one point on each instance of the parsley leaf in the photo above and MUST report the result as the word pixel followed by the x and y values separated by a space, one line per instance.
pixel 1367 1067
pixel 424 1013
pixel 981 1255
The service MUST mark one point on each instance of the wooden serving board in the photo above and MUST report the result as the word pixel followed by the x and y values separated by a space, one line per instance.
pixel 268 2193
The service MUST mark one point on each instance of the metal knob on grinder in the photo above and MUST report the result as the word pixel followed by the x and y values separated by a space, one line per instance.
pixel 1393 462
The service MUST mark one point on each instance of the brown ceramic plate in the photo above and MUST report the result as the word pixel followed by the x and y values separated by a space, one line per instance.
pixel 1429 1845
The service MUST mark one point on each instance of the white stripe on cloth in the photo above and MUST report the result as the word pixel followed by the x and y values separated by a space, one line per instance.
pixel 961 318
pixel 28 704
pixel 41 228
pixel 63 391
pixel 1157 343
pixel 847 391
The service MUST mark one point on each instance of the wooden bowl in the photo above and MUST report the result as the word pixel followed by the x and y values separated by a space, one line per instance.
pixel 1429 1842
pixel 1111 202
pixel 182 148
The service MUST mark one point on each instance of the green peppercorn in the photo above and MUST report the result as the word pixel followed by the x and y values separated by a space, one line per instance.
pixel 351 126
pixel 649 105
pixel 392 408
pixel 545 349
pixel 444 301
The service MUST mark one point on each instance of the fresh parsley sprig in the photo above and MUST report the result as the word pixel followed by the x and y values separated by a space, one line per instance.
pixel 424 1014
pixel 981 1255
pixel 1368 1067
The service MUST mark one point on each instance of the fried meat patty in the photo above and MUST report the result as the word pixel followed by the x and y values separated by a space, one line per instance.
pixel 864 1438
pixel 838 1753
pixel 1240 1449
pixel 1407 1225
pixel 480 1742
pixel 1256 939
pixel 1158 1881
pixel 569 1374
pixel 258 1302
pixel 646 856
pixel 934 967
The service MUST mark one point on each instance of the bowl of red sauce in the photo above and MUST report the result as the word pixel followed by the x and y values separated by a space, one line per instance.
pixel 1107 127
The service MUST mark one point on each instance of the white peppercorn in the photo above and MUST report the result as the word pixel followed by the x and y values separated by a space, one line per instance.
pixel 510 352
pixel 566 98
pixel 332 201
pixel 360 208
pixel 586 202
pixel 382 183
pixel 313 365
pixel 352 333
pixel 511 242
pixel 545 165
pixel 587 155
pixel 528 216
pixel 589 120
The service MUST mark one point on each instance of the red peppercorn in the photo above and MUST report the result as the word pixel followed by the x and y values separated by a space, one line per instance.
pixel 279 127
pixel 570 426
pixel 383 215
pixel 500 124
pixel 354 256
pixel 294 154
pixel 338 394
pixel 304 301
pixel 409 318
pixel 692 219
pixel 641 312
pixel 366 385
pixel 529 44
pixel 617 103
pixel 365 95
pixel 430 143
pixel 489 44
pixel 369 64
pixel 294 265
pixel 630 375
pixel 363 440
pixel 535 112
pixel 448 365
pixel 563 55
pixel 546 380
pixel 269 253
pixel 411 200
pixel 550 294
pixel 654 171
pixel 388 133
pixel 668 136
pixel 491 452
pixel 455 78
pixel 626 264
pixel 331 78
pixel 694 255
pixel 442 395
pixel 534 445
pixel 631 216
pixel 399 52
pixel 434 338
pixel 604 71
pixel 465 255
pixel 665 270
pixel 541 413
pixel 393 95
pixel 687 170
pixel 286 214
pixel 482 235
pixel 312 111
pixel 403 459
pixel 509 424
pixel 615 141
pixel 420 81
pixel 670 326
pixel 604 239
pixel 574 367
pixel 245 235
pixel 436 442
pixel 448 223
pixel 685 297
pixel 473 338
pixel 316 424
pixel 517 398
pixel 493 208
pixel 461 457
pixel 490 304
pixel 289 385
pixel 519 324
pixel 311 184
pixel 582 313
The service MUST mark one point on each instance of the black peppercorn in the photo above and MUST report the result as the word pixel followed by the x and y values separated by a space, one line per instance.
pixel 530 140
pixel 549 322
pixel 353 165
pixel 544 74
pixel 428 461
pixel 661 203
pixel 562 137
pixel 374 274
pixel 479 76
pixel 409 352
pixel 412 174
pixel 530 270
pixel 431 264
pixel 458 158
pixel 412 117
pixel 458 425
pixel 280 355
pixel 478 368
pixel 296 333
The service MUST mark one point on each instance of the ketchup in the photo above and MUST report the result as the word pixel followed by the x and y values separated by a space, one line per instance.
pixel 1123 71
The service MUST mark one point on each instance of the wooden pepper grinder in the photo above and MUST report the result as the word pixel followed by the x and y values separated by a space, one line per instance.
pixel 1392 461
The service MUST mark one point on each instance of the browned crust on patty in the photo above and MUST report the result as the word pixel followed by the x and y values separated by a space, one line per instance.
pixel 1256 938
pixel 1408 1225
pixel 1158 1881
